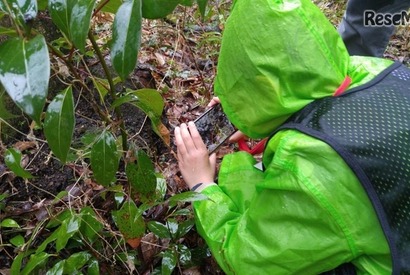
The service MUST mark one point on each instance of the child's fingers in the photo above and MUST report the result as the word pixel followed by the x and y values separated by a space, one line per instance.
pixel 179 141
pixel 214 101
pixel 187 138
pixel 196 137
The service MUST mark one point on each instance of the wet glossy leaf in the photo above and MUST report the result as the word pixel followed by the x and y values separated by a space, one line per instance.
pixel 67 230
pixel 129 220
pixel 159 229
pixel 59 124
pixel 24 73
pixel 151 103
pixel 9 223
pixel 126 37
pixel 57 269
pixel 184 228
pixel 17 241
pixel 188 196
pixel 154 9
pixel 24 10
pixel 169 261
pixel 56 221
pixel 60 11
pixel 16 265
pixel 12 158
pixel 76 261
pixel 73 19
pixel 104 159
pixel 185 255
pixel 36 260
pixel 93 267
pixel 173 226
pixel 141 176
pixel 80 22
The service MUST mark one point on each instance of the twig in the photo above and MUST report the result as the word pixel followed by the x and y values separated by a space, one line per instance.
pixel 112 89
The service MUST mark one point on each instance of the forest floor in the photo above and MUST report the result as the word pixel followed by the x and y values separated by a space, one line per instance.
pixel 178 57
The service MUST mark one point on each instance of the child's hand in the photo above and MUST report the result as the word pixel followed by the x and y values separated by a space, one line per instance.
pixel 238 134
pixel 194 162
pixel 214 101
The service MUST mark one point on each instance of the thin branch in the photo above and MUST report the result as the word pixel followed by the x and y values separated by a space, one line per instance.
pixel 111 90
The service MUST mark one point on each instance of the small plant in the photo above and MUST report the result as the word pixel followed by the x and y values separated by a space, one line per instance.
pixel 81 238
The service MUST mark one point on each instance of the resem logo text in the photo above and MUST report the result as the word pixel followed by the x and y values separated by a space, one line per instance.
pixel 374 19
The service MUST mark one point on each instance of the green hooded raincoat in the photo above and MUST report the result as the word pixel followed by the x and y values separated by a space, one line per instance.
pixel 306 213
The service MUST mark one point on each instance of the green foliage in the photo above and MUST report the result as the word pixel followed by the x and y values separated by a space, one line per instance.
pixel 104 159
pixel 76 237
pixel 59 123
pixel 126 36
pixel 12 158
pixel 24 74
pixel 141 175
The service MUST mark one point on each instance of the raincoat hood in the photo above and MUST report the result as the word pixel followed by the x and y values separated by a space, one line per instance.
pixel 278 56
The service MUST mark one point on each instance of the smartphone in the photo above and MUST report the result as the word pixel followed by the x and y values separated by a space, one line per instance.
pixel 214 128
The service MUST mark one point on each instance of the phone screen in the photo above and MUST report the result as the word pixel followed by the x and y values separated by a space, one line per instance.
pixel 214 128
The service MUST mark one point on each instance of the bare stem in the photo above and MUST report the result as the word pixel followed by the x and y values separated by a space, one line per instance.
pixel 111 90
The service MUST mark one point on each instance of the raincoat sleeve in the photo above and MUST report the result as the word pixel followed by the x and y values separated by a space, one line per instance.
pixel 285 220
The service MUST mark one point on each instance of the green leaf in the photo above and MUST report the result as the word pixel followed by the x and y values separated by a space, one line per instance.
pixel 155 9
pixel 8 31
pixel 67 230
pixel 60 12
pixel 185 255
pixel 36 260
pixel 66 214
pixel 188 196
pixel 4 113
pixel 104 159
pixel 129 220
pixel 184 228
pixel 24 73
pixel 16 265
pixel 12 158
pixel 17 241
pixel 90 225
pixel 141 176
pixel 57 269
pixel 169 261
pixel 102 86
pixel 151 103
pixel 9 223
pixel 59 123
pixel 111 6
pixel 202 6
pixel 173 226
pixel 76 261
pixel 126 37
pixel 93 267
pixel 42 4
pixel 73 18
pixel 49 239
pixel 24 10
pixel 80 21
pixel 186 3
pixel 159 229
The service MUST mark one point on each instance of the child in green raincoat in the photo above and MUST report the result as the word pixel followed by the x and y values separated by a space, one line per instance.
pixel 335 183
